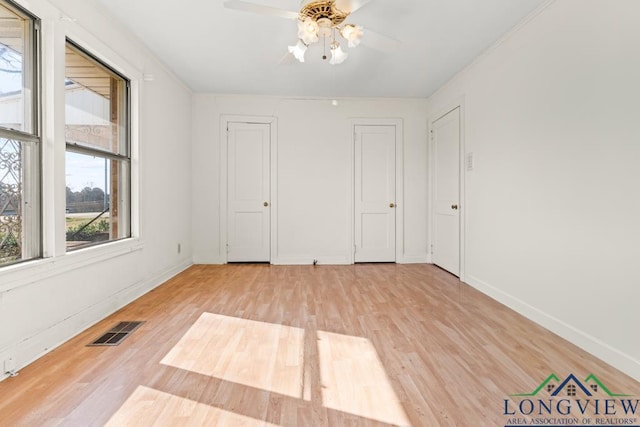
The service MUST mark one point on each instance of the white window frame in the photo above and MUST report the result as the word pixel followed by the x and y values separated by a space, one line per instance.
pixel 124 204
pixel 30 140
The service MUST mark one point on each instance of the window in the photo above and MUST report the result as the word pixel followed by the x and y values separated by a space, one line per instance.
pixel 20 236
pixel 98 158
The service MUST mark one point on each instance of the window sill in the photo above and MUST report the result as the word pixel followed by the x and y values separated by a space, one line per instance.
pixel 16 276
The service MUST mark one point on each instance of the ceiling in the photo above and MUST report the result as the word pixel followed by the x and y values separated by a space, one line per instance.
pixel 214 49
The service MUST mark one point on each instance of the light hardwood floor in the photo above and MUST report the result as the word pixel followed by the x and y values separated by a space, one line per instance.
pixel 371 344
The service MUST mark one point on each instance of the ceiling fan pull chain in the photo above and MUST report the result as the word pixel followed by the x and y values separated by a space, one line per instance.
pixel 324 48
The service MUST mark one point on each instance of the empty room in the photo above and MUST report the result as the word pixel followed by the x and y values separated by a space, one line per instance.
pixel 319 213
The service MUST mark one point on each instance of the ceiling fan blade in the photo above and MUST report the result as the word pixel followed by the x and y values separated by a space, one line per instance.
pixel 350 6
pixel 260 9
pixel 287 59
pixel 379 41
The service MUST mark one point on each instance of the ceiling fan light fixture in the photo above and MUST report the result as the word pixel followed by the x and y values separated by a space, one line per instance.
pixel 338 56
pixel 352 33
pixel 308 31
pixel 298 50
pixel 323 19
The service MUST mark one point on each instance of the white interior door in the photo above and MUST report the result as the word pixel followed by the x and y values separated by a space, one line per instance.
pixel 248 192
pixel 446 188
pixel 375 193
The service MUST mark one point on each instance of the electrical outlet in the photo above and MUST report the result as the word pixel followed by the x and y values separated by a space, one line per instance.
pixel 179 248
pixel 9 365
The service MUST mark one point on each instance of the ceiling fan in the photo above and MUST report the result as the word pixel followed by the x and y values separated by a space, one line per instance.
pixel 323 20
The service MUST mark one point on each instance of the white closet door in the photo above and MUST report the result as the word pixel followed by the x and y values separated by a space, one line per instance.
pixel 248 168
pixel 446 209
pixel 375 193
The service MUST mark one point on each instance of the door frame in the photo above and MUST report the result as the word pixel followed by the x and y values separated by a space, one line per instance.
pixel 225 119
pixel 462 183
pixel 398 123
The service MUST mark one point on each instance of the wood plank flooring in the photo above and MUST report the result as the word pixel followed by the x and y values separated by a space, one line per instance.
pixel 260 345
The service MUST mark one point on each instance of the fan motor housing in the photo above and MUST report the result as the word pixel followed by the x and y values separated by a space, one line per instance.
pixel 326 9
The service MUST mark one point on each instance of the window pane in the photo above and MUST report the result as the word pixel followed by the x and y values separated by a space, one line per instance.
pixel 95 104
pixel 19 235
pixel 15 66
pixel 97 200
pixel 97 160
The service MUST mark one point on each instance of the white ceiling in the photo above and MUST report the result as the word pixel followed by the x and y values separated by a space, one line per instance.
pixel 214 49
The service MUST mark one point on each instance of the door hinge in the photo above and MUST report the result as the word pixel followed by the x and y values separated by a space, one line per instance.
pixel 228 248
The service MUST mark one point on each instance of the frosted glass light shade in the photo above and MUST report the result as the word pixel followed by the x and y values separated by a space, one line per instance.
pixel 353 34
pixel 338 56
pixel 308 31
pixel 298 50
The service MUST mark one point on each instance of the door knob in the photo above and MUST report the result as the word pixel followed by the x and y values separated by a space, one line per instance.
pixel 454 207
pixel 392 205
pixel 266 204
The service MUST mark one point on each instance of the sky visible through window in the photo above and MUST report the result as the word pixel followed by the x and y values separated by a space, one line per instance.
pixel 10 70
pixel 86 171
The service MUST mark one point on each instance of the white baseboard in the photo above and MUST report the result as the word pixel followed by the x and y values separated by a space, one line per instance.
pixel 590 344
pixel 283 260
pixel 36 346
pixel 208 261
pixel 413 259
pixel 308 260
pixel 338 260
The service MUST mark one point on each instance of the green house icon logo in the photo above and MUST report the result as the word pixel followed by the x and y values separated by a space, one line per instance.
pixel 571 387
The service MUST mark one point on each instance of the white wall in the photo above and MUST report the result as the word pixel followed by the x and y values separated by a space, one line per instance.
pixel 314 174
pixel 45 302
pixel 552 116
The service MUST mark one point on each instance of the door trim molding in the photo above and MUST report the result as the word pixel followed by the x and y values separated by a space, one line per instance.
pixel 398 124
pixel 225 119
pixel 463 176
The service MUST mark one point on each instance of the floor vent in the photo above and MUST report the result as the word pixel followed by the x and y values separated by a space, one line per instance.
pixel 117 334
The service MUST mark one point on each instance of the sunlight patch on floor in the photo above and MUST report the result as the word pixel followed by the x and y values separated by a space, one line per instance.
pixel 147 406
pixel 261 355
pixel 354 380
